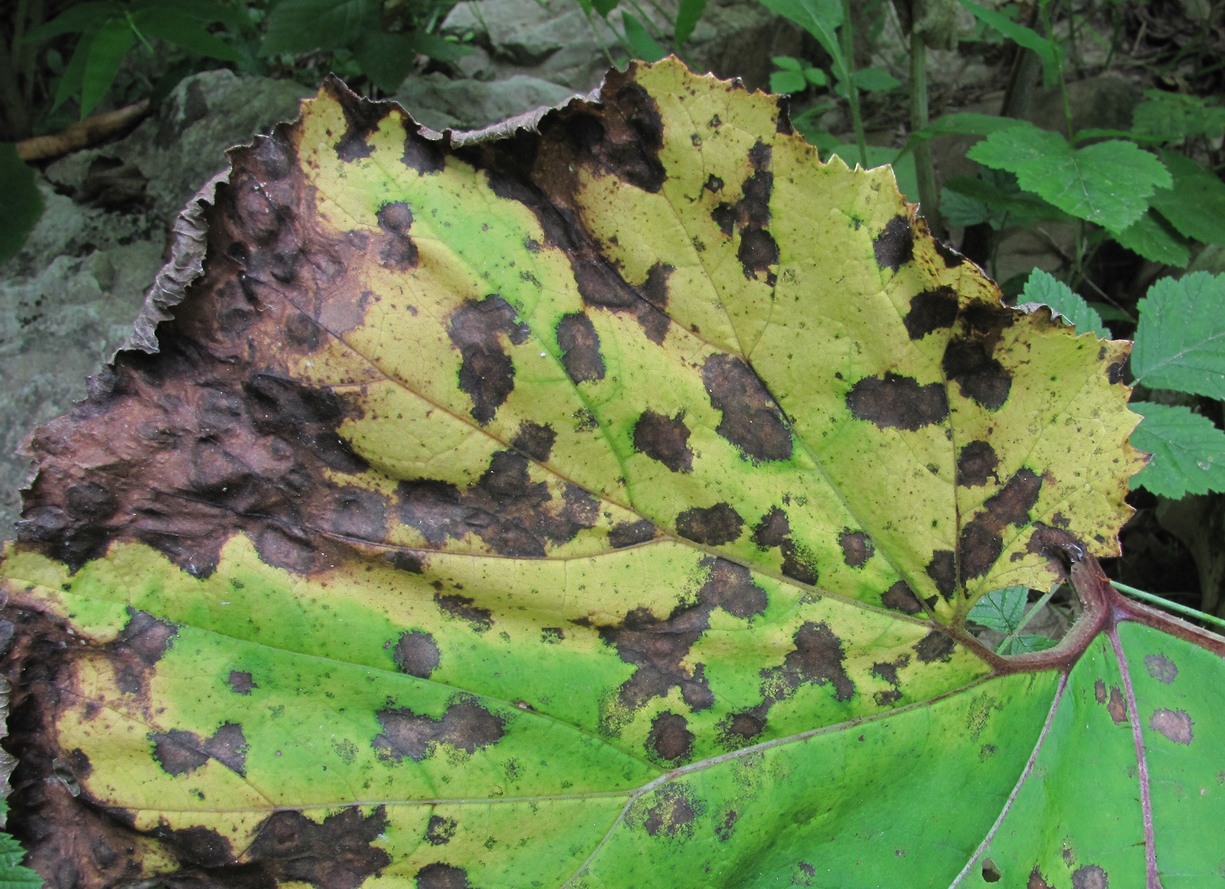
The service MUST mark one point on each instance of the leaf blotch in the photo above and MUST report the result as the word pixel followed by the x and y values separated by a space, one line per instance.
pixel 669 738
pixel 856 547
pixel 900 597
pixel 580 348
pixel 442 876
pixel 1090 877
pixel 981 540
pixel 935 646
pixel 625 143
pixel 969 359
pixel 669 811
pixel 930 311
pixel 894 246
pixel 751 420
pixel 358 514
pixel 976 464
pixel 439 831
pixel 1175 725
pixel 712 525
pixel 417 654
pixel 534 440
pixel 1161 668
pixel 774 530
pixel 486 373
pixel 897 401
pixel 362 118
pixel 465 726
pixel 942 569
pixel 631 533
pixel 1113 700
pixel 665 439
pixel 465 609
pixel 241 683
pixel 339 853
pixel 396 249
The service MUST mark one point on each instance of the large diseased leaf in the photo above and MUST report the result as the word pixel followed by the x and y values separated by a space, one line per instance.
pixel 596 506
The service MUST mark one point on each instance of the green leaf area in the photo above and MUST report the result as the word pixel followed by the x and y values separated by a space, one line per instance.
pixel 1180 338
pixel 600 506
pixel 1188 451
pixel 1108 183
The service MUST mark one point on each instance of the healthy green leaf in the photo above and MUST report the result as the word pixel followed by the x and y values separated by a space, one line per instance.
pixel 687 15
pixel 1024 643
pixel 1180 338
pixel 821 19
pixel 1195 205
pixel 1152 237
pixel 104 54
pixel 600 502
pixel 1173 117
pixel 1001 610
pixel 303 25
pixel 995 198
pixel 1043 288
pixel 21 204
pixel 1108 182
pixel 1044 49
pixel 171 25
pixel 640 41
pixel 1188 451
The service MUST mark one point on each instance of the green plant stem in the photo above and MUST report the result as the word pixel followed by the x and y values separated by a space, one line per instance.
pixel 847 37
pixel 1044 8
pixel 925 170
pixel 1168 605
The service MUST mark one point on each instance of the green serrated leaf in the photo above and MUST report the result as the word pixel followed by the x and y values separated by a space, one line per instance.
pixel 1151 237
pixel 1175 116
pixel 1108 183
pixel 995 198
pixel 1195 205
pixel 1180 338
pixel 1025 643
pixel 1188 451
pixel 1042 288
pixel 1001 610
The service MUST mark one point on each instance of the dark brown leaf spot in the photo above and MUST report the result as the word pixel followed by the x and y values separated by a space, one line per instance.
pixel 1161 668
pixel 1090 877
pixel 900 597
pixel 976 464
pixel 486 373
pixel 512 514
pixel 631 533
pixel 727 826
pixel 713 184
pixel 669 811
pixel 665 439
pixel 442 876
pixel 534 440
pixel 1116 707
pixel 981 539
pixel 857 548
pixel 895 244
pixel 417 653
pixel 739 729
pixel 363 118
pixel 751 420
pixel 180 752
pixel 969 363
pixel 774 530
pixel 440 830
pixel 888 671
pixel 930 311
pixel 359 514
pixel 340 853
pixel 659 648
pixel 897 401
pixel 241 683
pixel 712 526
pixel 1173 724
pixel 669 738
pixel 396 249
pixel 758 252
pixel 818 658
pixel 935 646
pixel 465 725
pixel 422 154
pixel 580 348
pixel 1037 881
pixel 463 608
pixel 942 569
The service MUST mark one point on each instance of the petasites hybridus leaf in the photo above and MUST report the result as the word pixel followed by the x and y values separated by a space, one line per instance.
pixel 592 506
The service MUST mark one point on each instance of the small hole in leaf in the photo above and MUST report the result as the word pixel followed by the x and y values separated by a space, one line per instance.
pixel 991 873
